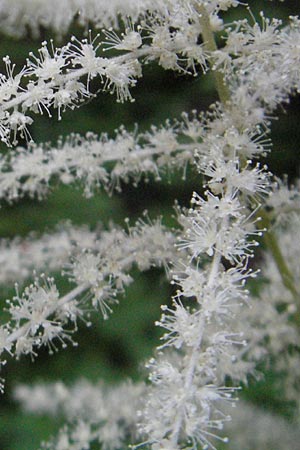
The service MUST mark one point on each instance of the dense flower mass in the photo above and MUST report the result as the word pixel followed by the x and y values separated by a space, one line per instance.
pixel 39 314
pixel 29 171
pixel 225 317
pixel 98 414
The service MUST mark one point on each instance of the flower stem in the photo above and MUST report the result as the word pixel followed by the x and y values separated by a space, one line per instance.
pixel 210 43
pixel 272 244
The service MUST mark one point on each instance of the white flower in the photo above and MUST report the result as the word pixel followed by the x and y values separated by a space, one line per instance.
pixel 208 336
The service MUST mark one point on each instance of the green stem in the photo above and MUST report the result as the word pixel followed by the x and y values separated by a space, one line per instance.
pixel 210 43
pixel 272 244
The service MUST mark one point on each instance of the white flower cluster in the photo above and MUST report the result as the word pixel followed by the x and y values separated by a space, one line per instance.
pixel 60 78
pixel 28 171
pixel 213 336
pixel 265 57
pixel 19 257
pixel 40 316
pixel 98 414
pixel 185 402
pixel 58 16
pixel 276 324
pixel 253 428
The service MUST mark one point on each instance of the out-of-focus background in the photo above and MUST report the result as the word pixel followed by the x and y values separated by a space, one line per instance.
pixel 115 349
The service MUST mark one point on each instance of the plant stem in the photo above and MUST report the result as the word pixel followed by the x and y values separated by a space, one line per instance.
pixel 272 244
pixel 193 357
pixel 211 46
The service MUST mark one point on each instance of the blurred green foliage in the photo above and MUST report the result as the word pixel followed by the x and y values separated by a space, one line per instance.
pixel 116 348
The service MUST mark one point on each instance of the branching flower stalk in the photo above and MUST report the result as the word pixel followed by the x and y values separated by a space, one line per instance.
pixel 224 95
pixel 40 315
pixel 178 429
pixel 188 382
pixel 215 330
